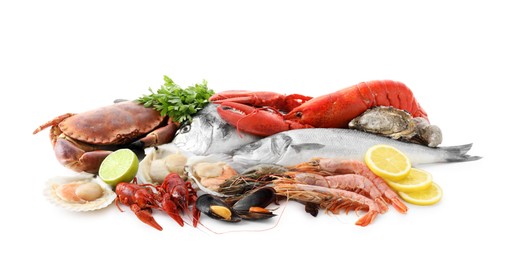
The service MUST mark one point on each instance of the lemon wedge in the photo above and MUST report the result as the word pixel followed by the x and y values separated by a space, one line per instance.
pixel 426 197
pixel 416 180
pixel 387 162
pixel 119 166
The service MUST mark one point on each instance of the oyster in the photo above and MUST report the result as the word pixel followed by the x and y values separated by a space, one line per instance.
pixel 209 172
pixel 160 162
pixel 79 193
pixel 397 124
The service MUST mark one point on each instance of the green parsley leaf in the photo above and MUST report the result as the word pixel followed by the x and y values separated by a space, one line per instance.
pixel 180 104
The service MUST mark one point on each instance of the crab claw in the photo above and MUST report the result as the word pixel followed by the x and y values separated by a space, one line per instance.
pixel 145 216
pixel 256 121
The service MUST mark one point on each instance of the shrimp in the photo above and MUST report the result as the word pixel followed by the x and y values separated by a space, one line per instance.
pixel 339 166
pixel 350 182
pixel 330 199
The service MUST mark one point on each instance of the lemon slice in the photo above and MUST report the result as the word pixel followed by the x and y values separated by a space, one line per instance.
pixel 119 166
pixel 416 180
pixel 429 196
pixel 387 162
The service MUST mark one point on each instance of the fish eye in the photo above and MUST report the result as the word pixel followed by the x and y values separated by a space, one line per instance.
pixel 185 129
pixel 299 114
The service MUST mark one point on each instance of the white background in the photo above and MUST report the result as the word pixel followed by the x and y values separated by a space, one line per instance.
pixel 58 57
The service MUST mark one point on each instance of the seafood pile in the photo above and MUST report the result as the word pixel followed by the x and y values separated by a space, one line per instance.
pixel 247 150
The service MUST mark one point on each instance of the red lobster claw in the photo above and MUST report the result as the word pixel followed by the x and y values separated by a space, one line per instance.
pixel 261 98
pixel 256 121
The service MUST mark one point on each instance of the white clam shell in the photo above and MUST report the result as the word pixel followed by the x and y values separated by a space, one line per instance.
pixel 153 168
pixel 51 193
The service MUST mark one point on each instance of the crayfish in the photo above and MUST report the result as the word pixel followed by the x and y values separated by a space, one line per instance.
pixel 172 196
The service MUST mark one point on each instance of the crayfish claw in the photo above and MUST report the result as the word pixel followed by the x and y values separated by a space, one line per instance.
pixel 171 209
pixel 145 216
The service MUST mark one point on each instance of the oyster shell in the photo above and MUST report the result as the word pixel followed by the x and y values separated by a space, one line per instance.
pixel 160 162
pixel 84 192
pixel 397 124
pixel 209 172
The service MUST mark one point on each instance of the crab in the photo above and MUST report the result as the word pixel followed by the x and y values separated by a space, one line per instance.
pixel 82 141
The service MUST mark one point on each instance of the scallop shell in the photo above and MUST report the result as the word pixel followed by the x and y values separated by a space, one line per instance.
pixel 53 193
pixel 154 167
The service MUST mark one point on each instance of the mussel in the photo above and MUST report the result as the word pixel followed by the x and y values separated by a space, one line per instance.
pixel 251 206
pixel 216 208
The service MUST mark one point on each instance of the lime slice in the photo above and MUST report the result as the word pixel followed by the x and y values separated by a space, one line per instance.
pixel 416 180
pixel 387 162
pixel 119 166
pixel 429 196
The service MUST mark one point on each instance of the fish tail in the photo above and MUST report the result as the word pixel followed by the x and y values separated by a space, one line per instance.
pixel 459 153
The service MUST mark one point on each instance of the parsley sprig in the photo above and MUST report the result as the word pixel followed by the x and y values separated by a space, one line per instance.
pixel 178 103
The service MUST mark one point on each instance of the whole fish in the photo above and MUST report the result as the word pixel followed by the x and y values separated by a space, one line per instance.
pixel 296 146
pixel 208 133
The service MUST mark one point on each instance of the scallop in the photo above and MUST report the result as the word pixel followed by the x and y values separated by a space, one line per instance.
pixel 84 192
pixel 160 162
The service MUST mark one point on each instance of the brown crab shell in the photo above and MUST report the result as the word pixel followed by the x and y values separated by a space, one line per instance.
pixel 119 123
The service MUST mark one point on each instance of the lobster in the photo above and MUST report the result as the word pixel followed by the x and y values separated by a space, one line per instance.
pixel 177 195
pixel 264 116
pixel 141 198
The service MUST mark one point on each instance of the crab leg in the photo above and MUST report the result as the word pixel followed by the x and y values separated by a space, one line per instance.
pixel 53 122
pixel 72 156
pixel 158 136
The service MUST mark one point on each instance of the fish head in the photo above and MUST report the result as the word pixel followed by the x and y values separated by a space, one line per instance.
pixel 193 137
pixel 196 136
pixel 208 133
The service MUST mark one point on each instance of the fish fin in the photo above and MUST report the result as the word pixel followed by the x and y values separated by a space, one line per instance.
pixel 458 153
pixel 306 146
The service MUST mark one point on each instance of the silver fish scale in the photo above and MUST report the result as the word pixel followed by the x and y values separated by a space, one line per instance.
pixel 297 146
